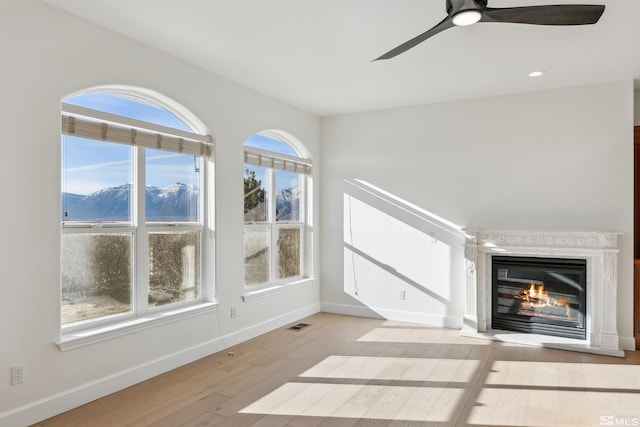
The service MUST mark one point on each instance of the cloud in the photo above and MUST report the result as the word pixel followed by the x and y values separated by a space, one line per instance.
pixel 97 166
pixel 164 156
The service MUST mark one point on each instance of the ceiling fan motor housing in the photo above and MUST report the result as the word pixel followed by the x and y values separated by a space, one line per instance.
pixel 455 6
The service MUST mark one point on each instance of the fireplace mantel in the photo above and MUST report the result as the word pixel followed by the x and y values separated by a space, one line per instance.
pixel 599 249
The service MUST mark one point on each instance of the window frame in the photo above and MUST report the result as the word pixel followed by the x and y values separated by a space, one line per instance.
pixel 302 168
pixel 141 229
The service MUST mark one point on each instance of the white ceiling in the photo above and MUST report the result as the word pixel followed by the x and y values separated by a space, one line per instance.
pixel 317 54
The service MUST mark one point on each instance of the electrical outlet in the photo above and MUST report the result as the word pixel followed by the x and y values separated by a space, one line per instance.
pixel 17 374
pixel 233 312
pixel 402 295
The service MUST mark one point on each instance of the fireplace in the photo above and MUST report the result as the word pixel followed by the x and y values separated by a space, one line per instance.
pixel 539 295
pixel 588 291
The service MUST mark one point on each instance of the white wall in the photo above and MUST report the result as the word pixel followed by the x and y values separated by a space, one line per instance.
pixel 47 54
pixel 534 149
pixel 553 160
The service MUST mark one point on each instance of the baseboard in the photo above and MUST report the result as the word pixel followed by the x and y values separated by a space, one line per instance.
pixel 399 315
pixel 61 402
pixel 349 310
pixel 627 343
pixel 269 325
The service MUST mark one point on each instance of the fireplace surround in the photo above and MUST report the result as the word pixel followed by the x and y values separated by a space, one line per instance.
pixel 597 250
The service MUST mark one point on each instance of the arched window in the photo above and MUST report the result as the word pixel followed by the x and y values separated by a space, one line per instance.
pixel 277 234
pixel 133 204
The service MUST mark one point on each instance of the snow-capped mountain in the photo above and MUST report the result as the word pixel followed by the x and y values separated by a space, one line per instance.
pixel 287 207
pixel 288 204
pixel 177 202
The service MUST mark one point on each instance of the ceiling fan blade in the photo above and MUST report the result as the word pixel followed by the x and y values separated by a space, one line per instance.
pixel 561 14
pixel 443 25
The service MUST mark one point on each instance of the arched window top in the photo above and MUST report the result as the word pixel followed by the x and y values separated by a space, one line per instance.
pixel 138 103
pixel 270 144
pixel 277 149
pixel 128 106
pixel 278 141
pixel 134 116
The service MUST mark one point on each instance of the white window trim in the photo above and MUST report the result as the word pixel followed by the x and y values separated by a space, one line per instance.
pixel 110 331
pixel 256 292
pixel 141 317
pixel 140 280
pixel 93 124
pixel 272 225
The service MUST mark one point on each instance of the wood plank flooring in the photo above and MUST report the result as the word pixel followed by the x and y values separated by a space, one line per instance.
pixel 346 371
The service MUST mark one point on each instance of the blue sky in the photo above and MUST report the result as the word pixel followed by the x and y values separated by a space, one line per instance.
pixel 283 179
pixel 90 165
pixel 259 141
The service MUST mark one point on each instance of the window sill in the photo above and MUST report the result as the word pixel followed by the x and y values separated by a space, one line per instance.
pixel 252 295
pixel 77 339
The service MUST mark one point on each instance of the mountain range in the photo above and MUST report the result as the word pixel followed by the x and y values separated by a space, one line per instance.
pixel 288 204
pixel 177 202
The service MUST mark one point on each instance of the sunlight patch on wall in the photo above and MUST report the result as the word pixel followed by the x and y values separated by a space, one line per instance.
pixel 394 244
pixel 384 255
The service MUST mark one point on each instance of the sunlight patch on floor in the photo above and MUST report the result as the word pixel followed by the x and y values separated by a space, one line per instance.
pixel 395 369
pixel 435 404
pixel 550 408
pixel 554 374
pixel 419 336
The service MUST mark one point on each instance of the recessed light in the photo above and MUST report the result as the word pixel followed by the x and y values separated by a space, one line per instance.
pixel 536 73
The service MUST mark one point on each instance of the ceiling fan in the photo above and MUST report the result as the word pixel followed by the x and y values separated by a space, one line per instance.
pixel 467 12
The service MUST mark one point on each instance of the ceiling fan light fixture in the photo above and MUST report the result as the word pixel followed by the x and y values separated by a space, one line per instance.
pixel 469 12
pixel 466 17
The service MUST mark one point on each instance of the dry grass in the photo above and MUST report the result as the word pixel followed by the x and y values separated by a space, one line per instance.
pixel 91 307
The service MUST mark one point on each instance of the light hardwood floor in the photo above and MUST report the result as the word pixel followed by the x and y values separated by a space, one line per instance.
pixel 348 371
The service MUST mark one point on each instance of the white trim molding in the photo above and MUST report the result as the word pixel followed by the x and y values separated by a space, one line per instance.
pixel 262 292
pixel 84 337
pixel 452 322
pixel 599 249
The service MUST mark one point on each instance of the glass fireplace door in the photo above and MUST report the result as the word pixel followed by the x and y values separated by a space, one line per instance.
pixel 539 295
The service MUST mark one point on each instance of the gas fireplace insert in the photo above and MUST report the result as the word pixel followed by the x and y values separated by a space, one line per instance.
pixel 539 295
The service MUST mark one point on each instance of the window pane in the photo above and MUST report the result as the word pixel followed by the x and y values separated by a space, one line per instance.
pixel 270 144
pixel 255 194
pixel 288 187
pixel 96 275
pixel 96 180
pixel 289 252
pixel 128 106
pixel 172 187
pixel 256 255
pixel 174 267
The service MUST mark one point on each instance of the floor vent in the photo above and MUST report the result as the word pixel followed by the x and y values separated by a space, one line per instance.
pixel 299 326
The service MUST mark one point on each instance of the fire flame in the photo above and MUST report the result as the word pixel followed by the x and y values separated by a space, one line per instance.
pixel 537 297
pixel 537 293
